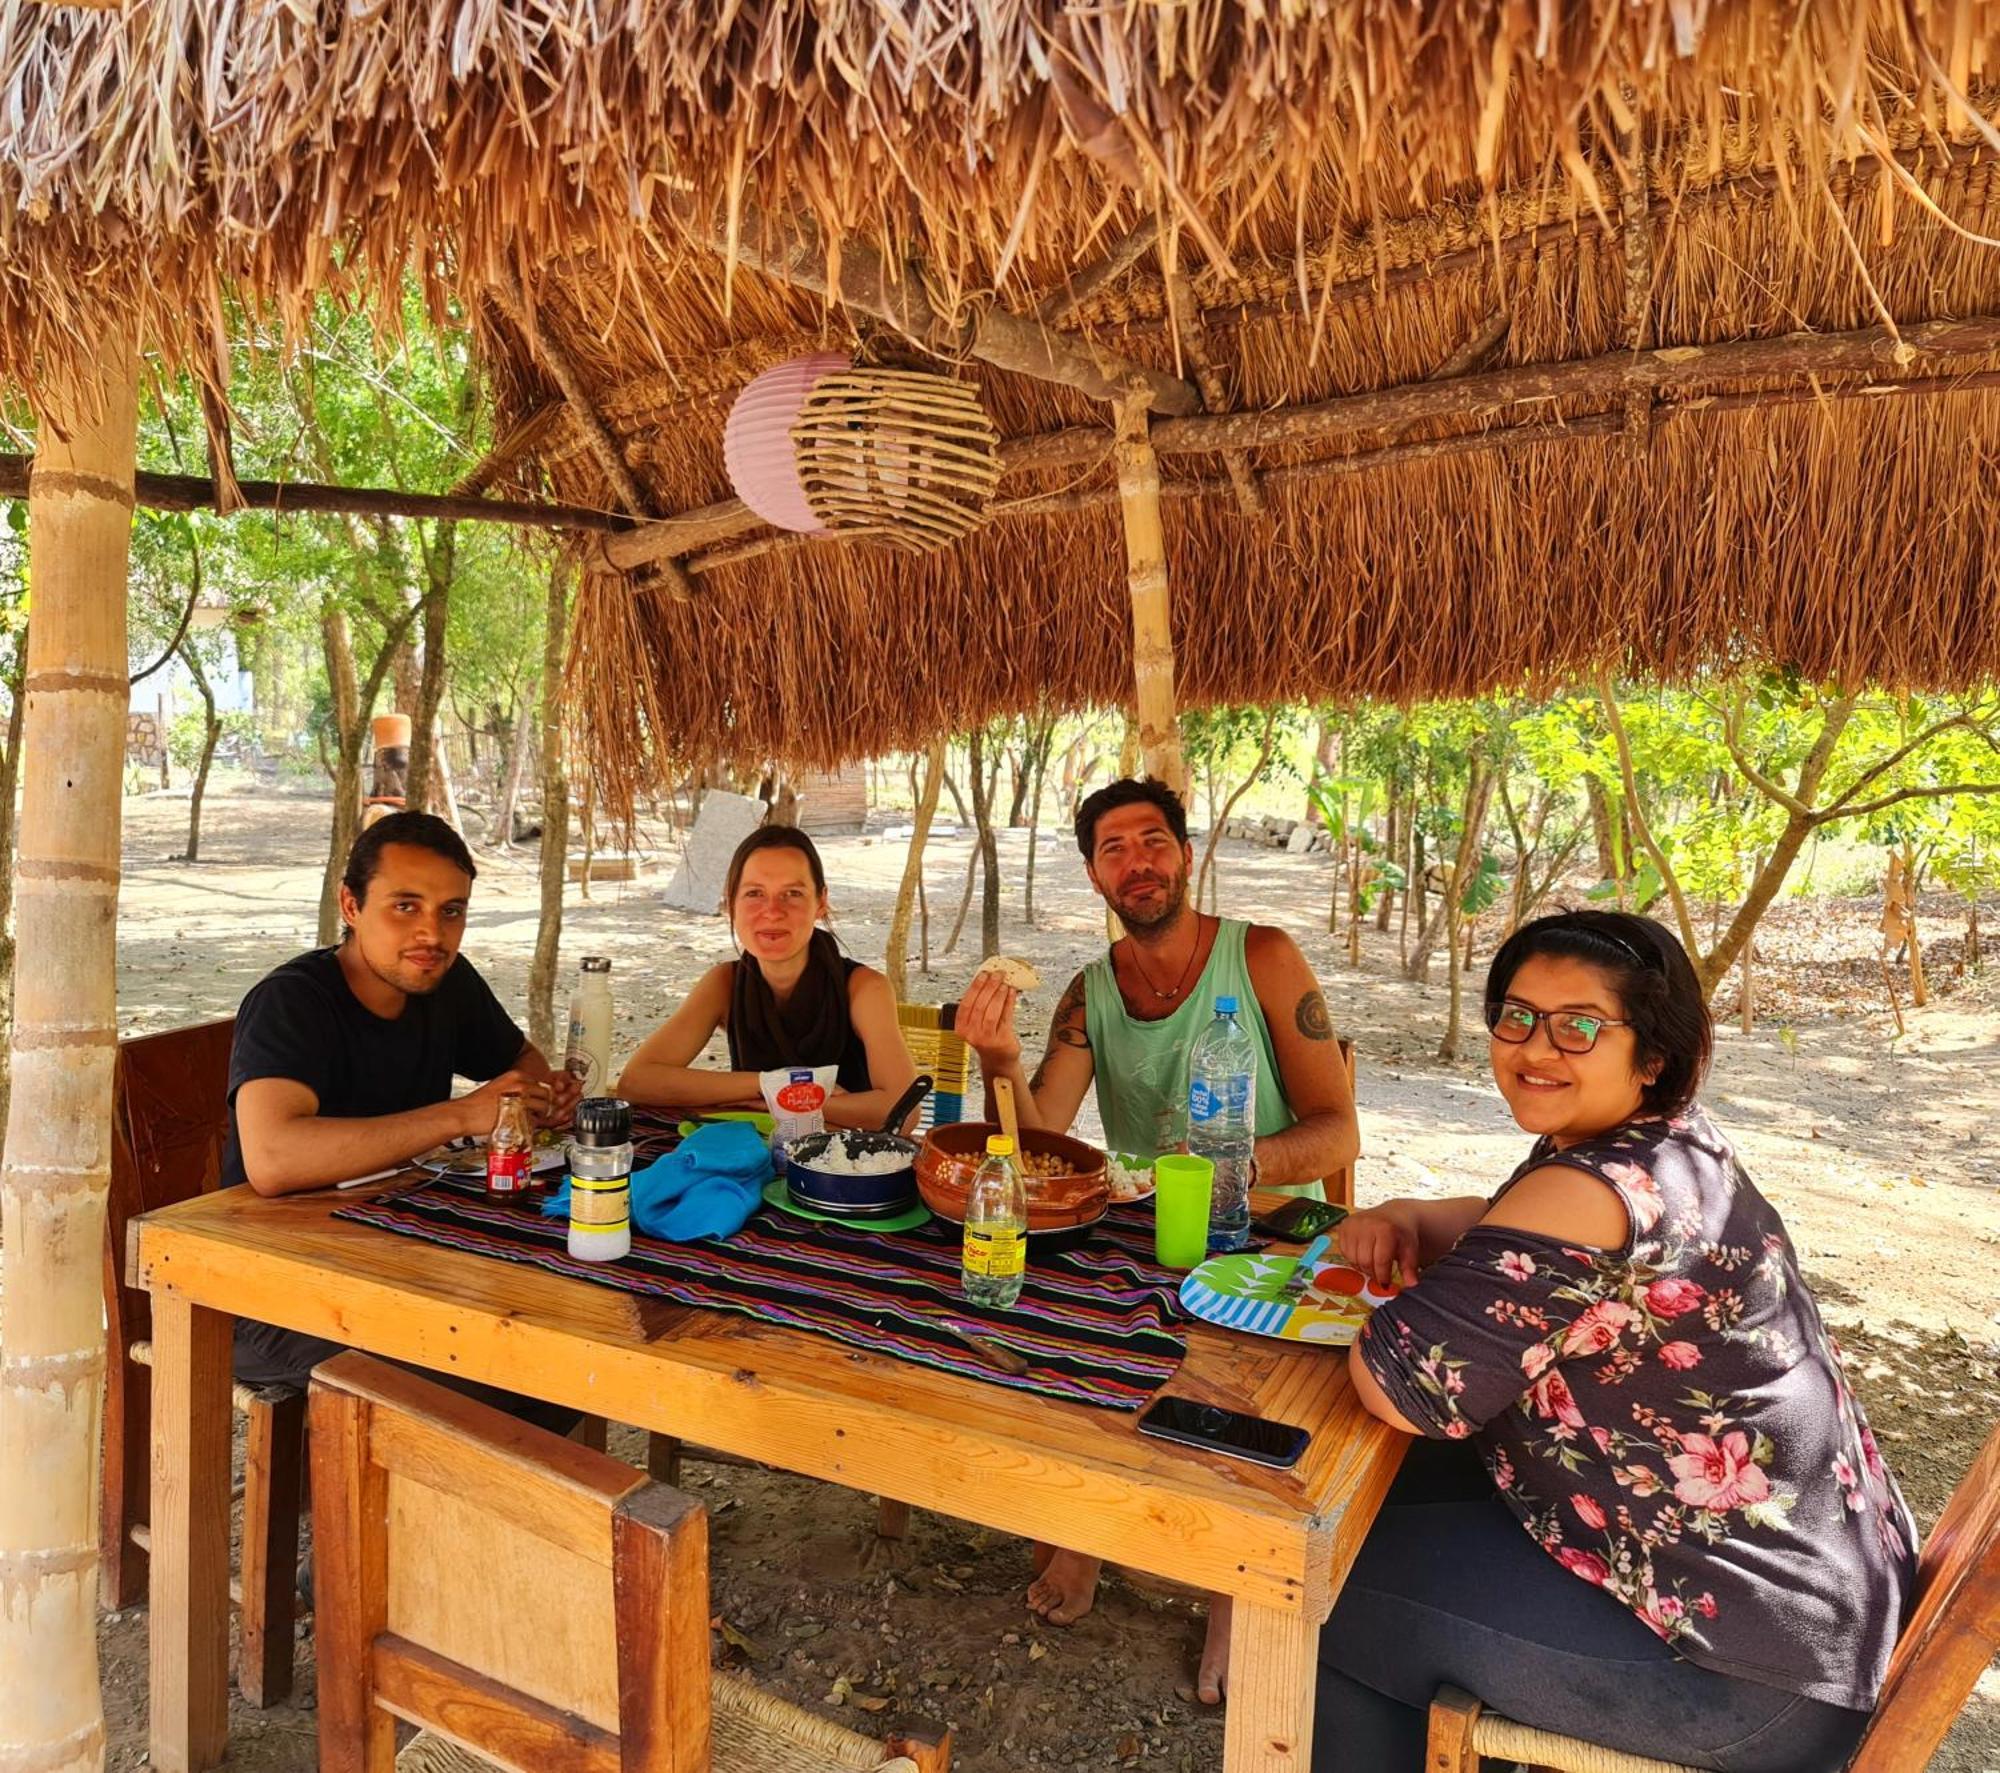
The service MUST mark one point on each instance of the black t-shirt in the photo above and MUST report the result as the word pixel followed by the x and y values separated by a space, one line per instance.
pixel 303 1022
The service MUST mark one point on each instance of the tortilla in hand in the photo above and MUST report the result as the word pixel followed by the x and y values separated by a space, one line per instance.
pixel 1015 973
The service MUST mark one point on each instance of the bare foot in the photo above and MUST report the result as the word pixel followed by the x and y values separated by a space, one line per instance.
pixel 1213 1680
pixel 1066 1587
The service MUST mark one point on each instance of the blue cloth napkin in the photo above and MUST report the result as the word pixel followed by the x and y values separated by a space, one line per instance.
pixel 707 1186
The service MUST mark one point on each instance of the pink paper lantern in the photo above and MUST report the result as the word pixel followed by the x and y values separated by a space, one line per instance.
pixel 757 441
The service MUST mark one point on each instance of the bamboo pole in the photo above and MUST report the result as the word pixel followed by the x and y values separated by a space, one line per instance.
pixel 554 858
pixel 1146 578
pixel 896 962
pixel 57 1165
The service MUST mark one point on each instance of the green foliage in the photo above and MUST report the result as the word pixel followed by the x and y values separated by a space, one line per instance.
pixel 188 732
pixel 1482 886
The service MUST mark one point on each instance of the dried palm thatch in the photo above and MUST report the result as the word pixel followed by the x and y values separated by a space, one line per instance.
pixel 1553 504
pixel 1446 227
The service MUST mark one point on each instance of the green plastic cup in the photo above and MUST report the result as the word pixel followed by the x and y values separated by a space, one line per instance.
pixel 1180 1209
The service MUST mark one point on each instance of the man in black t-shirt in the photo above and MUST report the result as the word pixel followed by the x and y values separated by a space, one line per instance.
pixel 343 1058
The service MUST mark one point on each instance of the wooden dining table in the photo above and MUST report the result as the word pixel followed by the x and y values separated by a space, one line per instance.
pixel 1279 1542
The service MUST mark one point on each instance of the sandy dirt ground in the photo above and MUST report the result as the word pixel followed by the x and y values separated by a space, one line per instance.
pixel 1883 1153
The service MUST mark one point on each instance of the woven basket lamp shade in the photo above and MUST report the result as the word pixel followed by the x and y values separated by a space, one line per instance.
pixel 816 446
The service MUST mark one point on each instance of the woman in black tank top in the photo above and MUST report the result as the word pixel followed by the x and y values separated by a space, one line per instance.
pixel 790 998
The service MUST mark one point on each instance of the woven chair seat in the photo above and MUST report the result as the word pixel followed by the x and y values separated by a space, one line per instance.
pixel 754 1732
pixel 1502 1739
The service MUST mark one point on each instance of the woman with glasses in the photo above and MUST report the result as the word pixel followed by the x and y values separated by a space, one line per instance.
pixel 1647 1511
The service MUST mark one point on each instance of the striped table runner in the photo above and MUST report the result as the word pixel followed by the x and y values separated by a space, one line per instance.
pixel 1097 1325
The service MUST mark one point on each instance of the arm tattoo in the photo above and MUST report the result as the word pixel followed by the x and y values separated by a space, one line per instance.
pixel 1070 1028
pixel 1311 1017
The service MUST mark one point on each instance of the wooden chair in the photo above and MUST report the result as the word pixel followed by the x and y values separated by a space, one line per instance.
pixel 534 1601
pixel 169 1120
pixel 1340 1185
pixel 928 1033
pixel 1950 1639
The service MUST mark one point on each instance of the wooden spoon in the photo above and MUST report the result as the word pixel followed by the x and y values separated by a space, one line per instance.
pixel 1010 1121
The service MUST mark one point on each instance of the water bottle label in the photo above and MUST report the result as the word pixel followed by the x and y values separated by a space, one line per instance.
pixel 996 1253
pixel 1206 1102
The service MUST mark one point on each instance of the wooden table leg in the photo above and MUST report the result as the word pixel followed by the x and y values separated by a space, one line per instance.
pixel 190 1551
pixel 1273 1665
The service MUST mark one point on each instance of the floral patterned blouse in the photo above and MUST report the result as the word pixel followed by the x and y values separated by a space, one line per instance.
pixel 1670 1421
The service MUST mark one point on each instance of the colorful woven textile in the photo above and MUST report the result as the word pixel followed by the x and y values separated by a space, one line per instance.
pixel 1097 1325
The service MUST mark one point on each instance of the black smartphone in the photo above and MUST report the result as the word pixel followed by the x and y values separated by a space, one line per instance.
pixel 1299 1221
pixel 1223 1431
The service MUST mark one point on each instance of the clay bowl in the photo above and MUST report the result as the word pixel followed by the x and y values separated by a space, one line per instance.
pixel 951 1154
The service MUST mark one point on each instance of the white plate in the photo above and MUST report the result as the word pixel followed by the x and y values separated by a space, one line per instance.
pixel 1129 1163
pixel 470 1160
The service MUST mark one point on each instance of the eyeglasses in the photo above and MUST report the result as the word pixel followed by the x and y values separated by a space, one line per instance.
pixel 1570 1031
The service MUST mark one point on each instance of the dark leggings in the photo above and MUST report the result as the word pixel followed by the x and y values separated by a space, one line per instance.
pixel 1448 1590
pixel 267 1355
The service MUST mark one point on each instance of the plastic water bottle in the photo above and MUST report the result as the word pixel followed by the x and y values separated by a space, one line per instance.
pixel 995 1251
pixel 587 1056
pixel 1222 1093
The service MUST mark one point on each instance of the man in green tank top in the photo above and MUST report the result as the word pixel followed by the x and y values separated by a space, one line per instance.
pixel 1126 1022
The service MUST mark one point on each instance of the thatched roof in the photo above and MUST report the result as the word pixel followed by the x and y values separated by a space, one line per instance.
pixel 1361 197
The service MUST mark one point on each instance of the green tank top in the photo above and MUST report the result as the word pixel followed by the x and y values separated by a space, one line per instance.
pixel 1142 1067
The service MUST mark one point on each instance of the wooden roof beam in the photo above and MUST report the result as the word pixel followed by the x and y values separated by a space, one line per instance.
pixel 791 250
pixel 195 492
pixel 1497 439
pixel 521 309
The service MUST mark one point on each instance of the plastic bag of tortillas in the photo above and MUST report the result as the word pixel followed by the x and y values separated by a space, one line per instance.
pixel 796 1096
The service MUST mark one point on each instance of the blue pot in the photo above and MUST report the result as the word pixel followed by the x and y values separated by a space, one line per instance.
pixel 852 1197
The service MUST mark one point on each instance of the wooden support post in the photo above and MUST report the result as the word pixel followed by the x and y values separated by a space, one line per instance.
pixel 189 1672
pixel 57 1168
pixel 274 1453
pixel 1272 1659
pixel 1146 577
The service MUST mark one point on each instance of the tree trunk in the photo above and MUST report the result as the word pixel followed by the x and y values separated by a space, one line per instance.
pixel 1391 849
pixel 555 823
pixel 1748 1007
pixel 1412 881
pixel 347 725
pixel 1020 775
pixel 1920 991
pixel 1600 828
pixel 896 962
pixel 443 801
pixel 923 928
pixel 1444 922
pixel 964 900
pixel 985 783
pixel 1215 824
pixel 1471 840
pixel 211 732
pixel 1354 855
pixel 10 780
pixel 1712 967
pixel 1041 769
pixel 57 1164
pixel 1323 765
pixel 517 761
pixel 440 562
